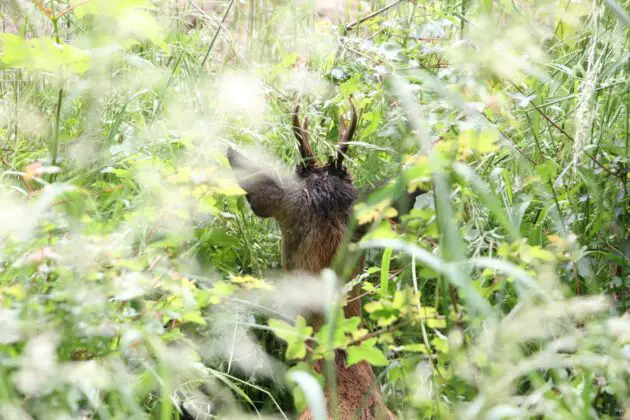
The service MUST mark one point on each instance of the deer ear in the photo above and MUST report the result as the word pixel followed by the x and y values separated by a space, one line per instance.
pixel 264 193
pixel 405 203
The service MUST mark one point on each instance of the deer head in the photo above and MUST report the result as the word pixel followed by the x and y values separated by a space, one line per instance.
pixel 314 210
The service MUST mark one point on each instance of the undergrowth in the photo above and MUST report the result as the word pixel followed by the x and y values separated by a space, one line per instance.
pixel 136 283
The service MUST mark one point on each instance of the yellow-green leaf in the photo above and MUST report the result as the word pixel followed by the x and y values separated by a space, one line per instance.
pixel 142 25
pixel 416 348
pixel 366 352
pixel 436 323
pixel 42 54
pixel 107 7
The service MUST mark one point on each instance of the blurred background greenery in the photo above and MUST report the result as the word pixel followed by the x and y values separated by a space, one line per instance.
pixel 136 283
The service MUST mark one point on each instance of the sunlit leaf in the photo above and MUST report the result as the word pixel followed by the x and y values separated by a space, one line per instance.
pixel 436 323
pixel 108 7
pixel 416 348
pixel 42 54
pixel 368 352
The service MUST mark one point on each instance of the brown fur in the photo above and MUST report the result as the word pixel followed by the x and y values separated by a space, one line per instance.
pixel 353 384
pixel 314 253
pixel 314 213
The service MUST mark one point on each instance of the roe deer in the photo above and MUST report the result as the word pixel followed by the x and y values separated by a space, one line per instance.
pixel 314 214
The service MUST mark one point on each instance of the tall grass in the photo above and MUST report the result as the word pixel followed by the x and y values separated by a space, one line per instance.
pixel 136 283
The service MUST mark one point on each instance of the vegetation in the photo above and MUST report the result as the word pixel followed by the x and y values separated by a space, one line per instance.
pixel 135 282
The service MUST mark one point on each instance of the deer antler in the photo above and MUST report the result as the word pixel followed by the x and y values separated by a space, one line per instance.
pixel 345 135
pixel 301 134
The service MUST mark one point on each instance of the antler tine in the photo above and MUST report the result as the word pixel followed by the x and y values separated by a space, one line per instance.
pixel 346 135
pixel 301 134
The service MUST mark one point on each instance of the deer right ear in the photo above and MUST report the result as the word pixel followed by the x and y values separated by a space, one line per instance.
pixel 264 193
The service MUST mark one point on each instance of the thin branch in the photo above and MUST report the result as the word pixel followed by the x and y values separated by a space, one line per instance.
pixel 506 138
pixel 371 15
pixel 373 334
pixel 71 8
pixel 567 135
pixel 43 9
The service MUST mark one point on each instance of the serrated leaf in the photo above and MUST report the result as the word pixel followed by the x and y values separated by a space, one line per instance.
pixel 282 329
pixel 350 324
pixel 296 350
pixel 366 352
pixel 359 333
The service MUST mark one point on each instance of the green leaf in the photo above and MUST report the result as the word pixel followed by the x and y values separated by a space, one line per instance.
pixel 436 323
pixel 112 8
pixel 416 348
pixel 427 273
pixel 366 352
pixel 142 25
pixel 42 54
pixel 440 344
pixel 400 300
pixel 483 141
pixel 373 307
pixel 296 350
pixel 133 18
pixel 293 335
pixel 194 317
pixel 14 51
pixel 547 171
pixel 221 290
pixel 541 254
pixel 339 339
pixel 349 325
pixel 282 329
pixel 351 86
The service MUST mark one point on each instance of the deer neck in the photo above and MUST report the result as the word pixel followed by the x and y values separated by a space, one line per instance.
pixel 310 246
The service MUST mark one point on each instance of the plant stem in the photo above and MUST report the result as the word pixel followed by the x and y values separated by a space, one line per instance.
pixel 370 16
pixel 54 147
pixel 387 257
pixel 55 22
pixel 216 34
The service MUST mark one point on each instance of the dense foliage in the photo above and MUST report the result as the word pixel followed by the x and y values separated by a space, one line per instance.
pixel 135 282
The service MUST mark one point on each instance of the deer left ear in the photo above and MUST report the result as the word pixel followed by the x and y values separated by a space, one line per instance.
pixel 264 193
